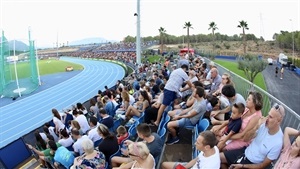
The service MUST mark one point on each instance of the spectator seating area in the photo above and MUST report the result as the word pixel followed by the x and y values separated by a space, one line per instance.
pixel 123 96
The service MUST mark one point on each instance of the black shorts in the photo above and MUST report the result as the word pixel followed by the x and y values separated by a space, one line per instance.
pixel 233 156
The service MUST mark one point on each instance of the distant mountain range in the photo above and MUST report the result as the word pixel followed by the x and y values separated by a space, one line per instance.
pixel 19 46
pixel 90 41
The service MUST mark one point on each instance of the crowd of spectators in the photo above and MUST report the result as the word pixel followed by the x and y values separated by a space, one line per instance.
pixel 121 51
pixel 240 135
pixel 122 46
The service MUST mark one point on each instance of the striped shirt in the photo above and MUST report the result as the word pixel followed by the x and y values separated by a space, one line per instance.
pixel 176 79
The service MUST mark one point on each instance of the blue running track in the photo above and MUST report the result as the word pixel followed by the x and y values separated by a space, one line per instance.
pixel 27 114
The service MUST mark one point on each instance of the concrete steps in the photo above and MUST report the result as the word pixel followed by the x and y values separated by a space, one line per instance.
pixel 31 163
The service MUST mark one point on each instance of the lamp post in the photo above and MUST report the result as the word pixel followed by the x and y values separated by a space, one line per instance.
pixel 293 42
pixel 138 34
pixel 57 45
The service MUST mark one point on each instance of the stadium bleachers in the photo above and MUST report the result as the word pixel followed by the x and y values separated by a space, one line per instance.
pixel 185 148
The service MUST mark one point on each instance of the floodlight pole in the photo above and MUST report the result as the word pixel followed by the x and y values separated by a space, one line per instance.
pixel 16 73
pixel 57 44
pixel 138 36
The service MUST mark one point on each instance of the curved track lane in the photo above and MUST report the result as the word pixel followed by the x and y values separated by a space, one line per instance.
pixel 23 116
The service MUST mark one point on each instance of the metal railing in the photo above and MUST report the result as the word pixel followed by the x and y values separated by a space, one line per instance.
pixel 243 86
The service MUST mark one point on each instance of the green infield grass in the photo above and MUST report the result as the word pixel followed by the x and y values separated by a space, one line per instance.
pixel 45 67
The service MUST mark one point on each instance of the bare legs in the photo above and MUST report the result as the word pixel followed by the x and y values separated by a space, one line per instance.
pixel 159 114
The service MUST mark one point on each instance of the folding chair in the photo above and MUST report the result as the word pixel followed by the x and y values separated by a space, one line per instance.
pixel 117 153
pixel 203 125
pixel 132 131
pixel 162 133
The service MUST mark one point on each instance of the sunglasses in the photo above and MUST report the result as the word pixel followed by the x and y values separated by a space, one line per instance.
pixel 277 108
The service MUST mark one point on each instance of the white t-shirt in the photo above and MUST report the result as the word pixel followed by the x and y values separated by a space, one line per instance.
pixel 224 102
pixel 114 102
pixel 51 131
pixel 239 99
pixel 211 162
pixel 84 125
pixel 131 99
pixel 43 135
pixel 264 145
pixel 195 78
pixel 160 98
pixel 58 123
pixel 93 135
pixel 77 145
pixel 66 142
pixel 121 86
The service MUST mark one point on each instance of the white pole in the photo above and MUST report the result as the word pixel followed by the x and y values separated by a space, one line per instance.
pixel 182 37
pixel 37 64
pixel 16 73
pixel 138 31
pixel 57 44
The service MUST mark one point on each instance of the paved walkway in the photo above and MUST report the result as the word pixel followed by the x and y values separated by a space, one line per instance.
pixel 287 89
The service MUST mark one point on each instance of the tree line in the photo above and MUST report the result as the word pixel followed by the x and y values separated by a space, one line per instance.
pixel 283 39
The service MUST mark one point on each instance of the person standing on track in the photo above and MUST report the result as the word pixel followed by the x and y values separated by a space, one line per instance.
pixel 276 71
pixel 281 71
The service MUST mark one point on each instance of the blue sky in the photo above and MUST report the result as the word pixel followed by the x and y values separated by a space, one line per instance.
pixel 113 19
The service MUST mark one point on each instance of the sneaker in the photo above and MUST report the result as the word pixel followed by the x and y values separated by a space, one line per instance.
pixel 132 120
pixel 122 117
pixel 172 141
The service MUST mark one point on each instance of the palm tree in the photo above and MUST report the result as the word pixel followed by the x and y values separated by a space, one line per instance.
pixel 243 24
pixel 213 27
pixel 187 26
pixel 162 31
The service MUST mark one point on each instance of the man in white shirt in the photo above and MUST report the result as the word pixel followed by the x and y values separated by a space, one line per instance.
pixel 211 65
pixel 265 147
pixel 78 150
pixel 209 156
pixel 177 78
pixel 65 139
pixel 92 133
pixel 228 98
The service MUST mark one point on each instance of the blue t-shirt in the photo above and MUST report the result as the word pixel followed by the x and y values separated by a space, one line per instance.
pixel 64 157
pixel 234 125
pixel 110 108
